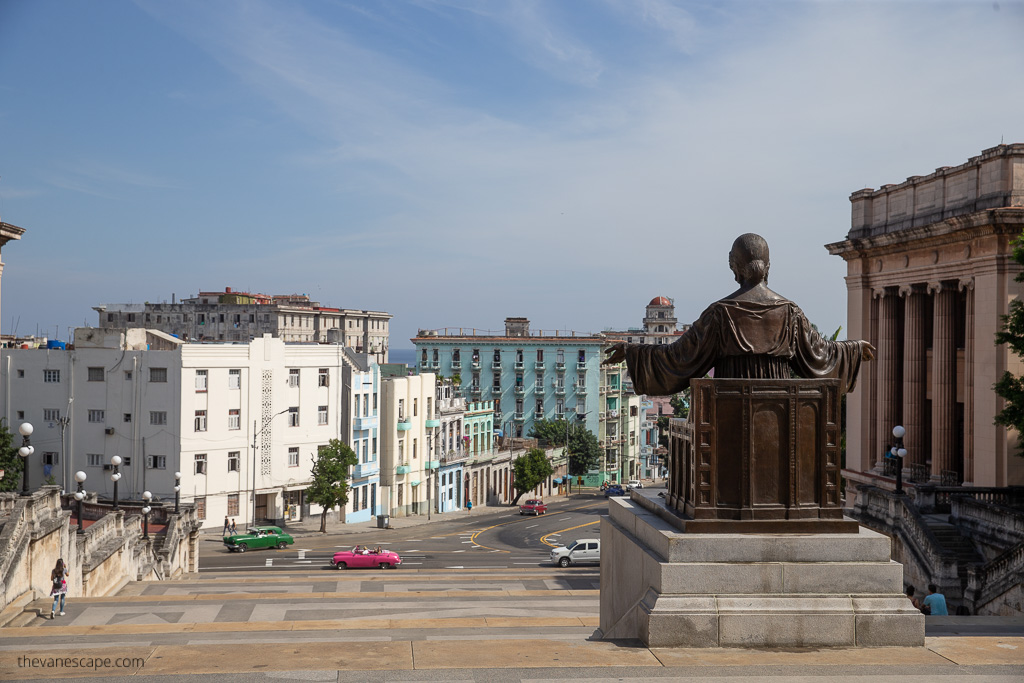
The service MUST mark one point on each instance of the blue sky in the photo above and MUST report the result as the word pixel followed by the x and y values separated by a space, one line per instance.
pixel 457 162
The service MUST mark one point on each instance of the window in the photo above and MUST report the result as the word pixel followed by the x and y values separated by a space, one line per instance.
pixel 201 377
pixel 232 504
pixel 366 490
pixel 51 414
pixel 497 355
pixel 321 415
pixel 158 374
pixel 415 407
pixel 366 405
pixel 366 447
pixel 582 357
pixel 50 458
pixel 234 379
pixel 540 355
pixel 95 459
pixel 127 375
pixel 157 462
pixel 21 414
pixel 414 447
pixel 293 377
pixel 21 373
pixel 126 461
pixel 293 457
pixel 293 416
pixel 374 454
pixel 200 503
pixel 375 404
pixel 429 407
pixel 127 417
pixel 96 374
pixel 200 421
pixel 233 460
pixel 497 381
pixel 158 417
pixel 540 379
pixel 355 413
pixel 200 463
pixel 323 377
pixel 97 415
pixel 51 376
pixel 560 356
pixel 401 410
pixel 234 418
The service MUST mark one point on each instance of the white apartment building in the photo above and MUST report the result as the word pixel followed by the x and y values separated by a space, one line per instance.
pixel 409 427
pixel 241 422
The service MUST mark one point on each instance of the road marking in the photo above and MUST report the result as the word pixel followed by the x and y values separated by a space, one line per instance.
pixel 532 525
pixel 562 519
pixel 537 562
pixel 304 562
pixel 458 551
pixel 302 554
pixel 436 537
pixel 544 539
pixel 270 562
pixel 414 540
pixel 467 541
pixel 405 563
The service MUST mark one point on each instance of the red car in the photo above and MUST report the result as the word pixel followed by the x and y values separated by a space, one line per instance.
pixel 533 507
pixel 364 556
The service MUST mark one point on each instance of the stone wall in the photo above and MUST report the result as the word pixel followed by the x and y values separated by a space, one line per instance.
pixel 35 532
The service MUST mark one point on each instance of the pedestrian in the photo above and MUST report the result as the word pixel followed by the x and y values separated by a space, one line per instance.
pixel 935 602
pixel 234 529
pixel 227 525
pixel 469 506
pixel 59 581
pixel 913 599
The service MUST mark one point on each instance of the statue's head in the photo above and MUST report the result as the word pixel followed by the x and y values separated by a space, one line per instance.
pixel 748 259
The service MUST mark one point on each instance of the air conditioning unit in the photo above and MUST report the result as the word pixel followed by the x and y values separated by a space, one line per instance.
pixel 108 466
pixel 109 431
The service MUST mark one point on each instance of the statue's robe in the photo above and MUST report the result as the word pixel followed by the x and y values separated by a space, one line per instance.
pixel 746 340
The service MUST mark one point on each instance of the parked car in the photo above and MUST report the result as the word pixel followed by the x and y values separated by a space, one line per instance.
pixel 364 556
pixel 580 551
pixel 634 484
pixel 534 506
pixel 614 490
pixel 259 537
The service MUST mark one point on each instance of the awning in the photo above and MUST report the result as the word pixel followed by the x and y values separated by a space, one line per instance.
pixel 499 432
pixel 556 480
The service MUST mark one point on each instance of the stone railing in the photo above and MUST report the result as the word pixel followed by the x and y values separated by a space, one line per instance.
pixel 930 498
pixel 992 527
pixel 924 559
pixel 989 581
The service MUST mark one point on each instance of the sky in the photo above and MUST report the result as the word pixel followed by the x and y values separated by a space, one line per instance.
pixel 456 162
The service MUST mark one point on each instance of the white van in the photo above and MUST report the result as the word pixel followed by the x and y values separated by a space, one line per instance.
pixel 580 551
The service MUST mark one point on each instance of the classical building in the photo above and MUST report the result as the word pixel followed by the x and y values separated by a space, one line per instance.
pixel 528 375
pixel 8 232
pixel 241 316
pixel 660 325
pixel 930 274
pixel 409 434
pixel 241 422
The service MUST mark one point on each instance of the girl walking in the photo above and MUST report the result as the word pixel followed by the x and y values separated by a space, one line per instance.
pixel 59 579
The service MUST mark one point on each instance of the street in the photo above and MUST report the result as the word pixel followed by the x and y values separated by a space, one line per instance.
pixel 483 539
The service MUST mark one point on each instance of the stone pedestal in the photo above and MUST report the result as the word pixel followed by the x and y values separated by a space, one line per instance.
pixel 673 589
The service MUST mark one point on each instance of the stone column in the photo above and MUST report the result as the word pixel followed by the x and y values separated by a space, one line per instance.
pixel 967 285
pixel 888 381
pixel 943 377
pixel 914 367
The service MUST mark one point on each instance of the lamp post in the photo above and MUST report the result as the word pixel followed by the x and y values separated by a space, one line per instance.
pixel 25 451
pixel 254 435
pixel 177 492
pixel 115 476
pixel 79 496
pixel 146 497
pixel 899 452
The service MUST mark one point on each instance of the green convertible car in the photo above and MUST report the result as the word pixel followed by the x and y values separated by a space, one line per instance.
pixel 259 537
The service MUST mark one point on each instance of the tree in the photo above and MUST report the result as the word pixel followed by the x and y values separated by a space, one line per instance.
pixel 10 462
pixel 530 469
pixel 1009 387
pixel 584 451
pixel 330 477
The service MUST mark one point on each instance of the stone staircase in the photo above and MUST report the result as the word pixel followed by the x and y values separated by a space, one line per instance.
pixel 954 543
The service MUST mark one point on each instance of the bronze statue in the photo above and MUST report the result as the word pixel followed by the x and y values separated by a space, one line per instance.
pixel 753 333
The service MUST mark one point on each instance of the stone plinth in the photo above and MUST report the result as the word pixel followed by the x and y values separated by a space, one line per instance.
pixel 673 589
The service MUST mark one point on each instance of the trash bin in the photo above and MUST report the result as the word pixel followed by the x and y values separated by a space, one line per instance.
pixel 383 521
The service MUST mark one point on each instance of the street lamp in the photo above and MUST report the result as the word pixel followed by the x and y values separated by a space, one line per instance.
pixel 899 452
pixel 146 497
pixel 25 451
pixel 254 435
pixel 115 476
pixel 177 492
pixel 79 496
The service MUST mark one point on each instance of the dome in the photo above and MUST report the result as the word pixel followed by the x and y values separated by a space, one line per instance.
pixel 660 301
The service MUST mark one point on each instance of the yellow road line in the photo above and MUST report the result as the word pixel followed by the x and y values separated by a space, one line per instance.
pixel 544 539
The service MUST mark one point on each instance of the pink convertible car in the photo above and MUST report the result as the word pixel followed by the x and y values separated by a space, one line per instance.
pixel 364 556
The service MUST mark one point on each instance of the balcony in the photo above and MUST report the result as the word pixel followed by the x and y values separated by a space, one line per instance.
pixel 475 364
pixel 434 364
pixel 361 423
pixel 519 389
pixel 474 390
pixel 559 366
pixel 518 417
pixel 402 469
pixel 431 424
pixel 581 365
pixel 496 365
pixel 404 425
pixel 646 405
pixel 613 414
pixel 539 415
pixel 456 365
pixel 432 464
pixel 647 424
pixel 646 450
pixel 627 387
pixel 559 391
pixel 601 416
pixel 424 363
pixel 365 469
pixel 581 389
pixel 539 365
pixel 602 390
pixel 539 389
pixel 519 365
pixel 496 390
pixel 454 455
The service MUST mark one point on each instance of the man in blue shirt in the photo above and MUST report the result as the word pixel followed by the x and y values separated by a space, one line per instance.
pixel 935 601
